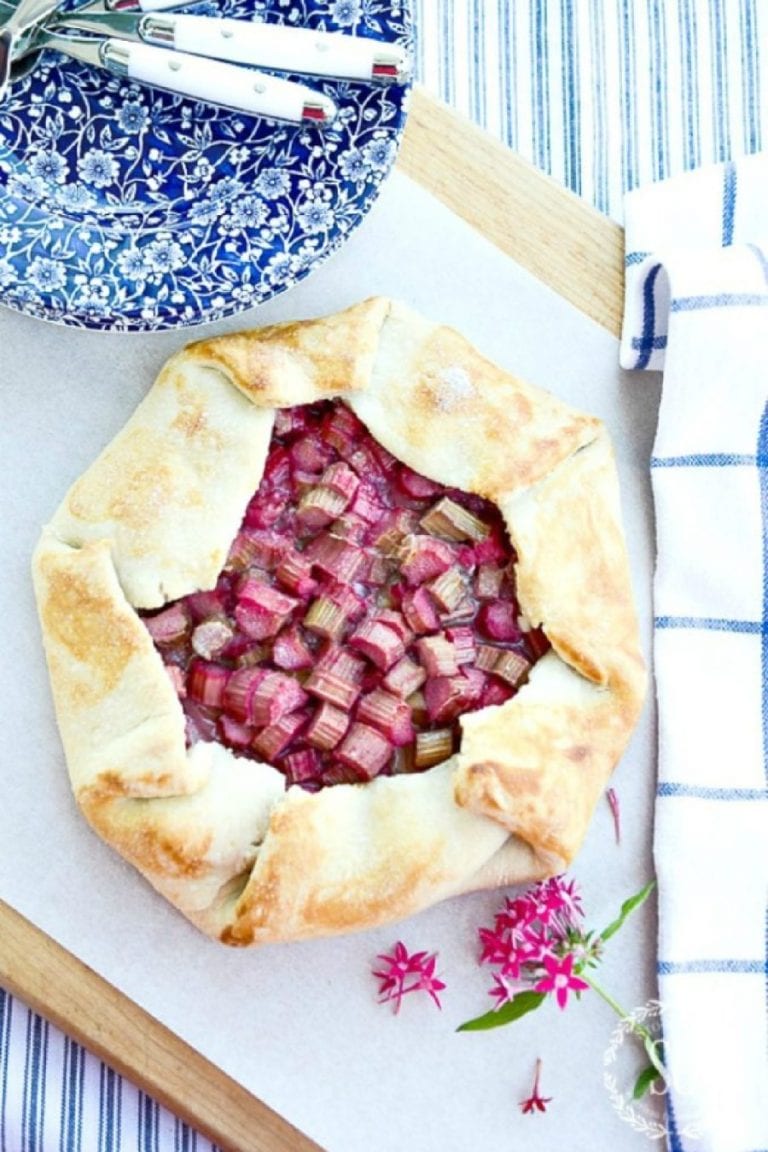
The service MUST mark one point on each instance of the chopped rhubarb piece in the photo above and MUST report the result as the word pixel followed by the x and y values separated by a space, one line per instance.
pixel 351 528
pixel 394 526
pixel 378 570
pixel 416 486
pixel 204 605
pixel 310 455
pixel 338 773
pixel 262 610
pixel 256 622
pixel 463 640
pixel 380 643
pixel 488 581
pixel 448 696
pixel 290 652
pixel 210 638
pixel 433 747
pixel 448 590
pixel 290 420
pixel 405 677
pixel 267 508
pixel 340 478
pixel 453 521
pixel 495 692
pixel 326 618
pixel 265 547
pixel 347 599
pixel 494 549
pixel 206 683
pixel 537 642
pixel 301 766
pixel 170 626
pixel 275 695
pixel 498 620
pixel 233 733
pixel 327 727
pixel 335 558
pixel 404 760
pixel 486 656
pixel 272 741
pixel 463 614
pixel 420 611
pixel 337 681
pixel 366 504
pixel 364 750
pixel 396 620
pixel 343 430
pixel 200 723
pixel 511 666
pixel 390 714
pixel 319 506
pixel 254 592
pixel 437 655
pixel 241 686
pixel 423 557
pixel 295 573
pixel 418 709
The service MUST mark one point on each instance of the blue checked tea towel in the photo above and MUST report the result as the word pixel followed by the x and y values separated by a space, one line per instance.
pixel 697 308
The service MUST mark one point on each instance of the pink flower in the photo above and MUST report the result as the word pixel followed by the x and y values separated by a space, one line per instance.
pixel 534 1102
pixel 402 972
pixel 560 978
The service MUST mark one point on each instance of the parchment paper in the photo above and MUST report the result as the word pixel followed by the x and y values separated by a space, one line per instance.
pixel 298 1025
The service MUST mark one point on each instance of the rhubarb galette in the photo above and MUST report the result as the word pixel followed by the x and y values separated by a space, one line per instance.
pixel 340 624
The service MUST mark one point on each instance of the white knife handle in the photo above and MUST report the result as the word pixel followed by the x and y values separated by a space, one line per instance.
pixel 283 48
pixel 217 82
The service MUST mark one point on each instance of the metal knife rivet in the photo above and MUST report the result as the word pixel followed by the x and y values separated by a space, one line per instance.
pixel 227 33
pixel 260 87
pixel 321 46
pixel 174 65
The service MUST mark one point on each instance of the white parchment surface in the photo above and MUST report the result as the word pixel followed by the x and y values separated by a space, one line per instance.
pixel 298 1025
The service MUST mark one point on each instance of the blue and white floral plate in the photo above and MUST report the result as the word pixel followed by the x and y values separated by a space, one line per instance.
pixel 129 209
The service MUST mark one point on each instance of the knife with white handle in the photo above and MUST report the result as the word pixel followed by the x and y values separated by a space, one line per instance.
pixel 279 47
pixel 213 81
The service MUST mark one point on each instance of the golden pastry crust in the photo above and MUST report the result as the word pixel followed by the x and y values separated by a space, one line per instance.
pixel 152 520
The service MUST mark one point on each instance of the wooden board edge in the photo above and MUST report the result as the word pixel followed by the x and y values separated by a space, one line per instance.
pixel 576 252
pixel 84 1005
pixel 565 243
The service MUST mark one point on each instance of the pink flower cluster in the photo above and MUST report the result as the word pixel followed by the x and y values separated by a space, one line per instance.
pixel 535 941
pixel 402 972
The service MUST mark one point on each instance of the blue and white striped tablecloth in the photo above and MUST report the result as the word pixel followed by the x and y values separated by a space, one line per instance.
pixel 604 95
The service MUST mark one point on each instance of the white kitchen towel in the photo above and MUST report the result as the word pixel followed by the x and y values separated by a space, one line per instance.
pixel 604 95
pixel 697 309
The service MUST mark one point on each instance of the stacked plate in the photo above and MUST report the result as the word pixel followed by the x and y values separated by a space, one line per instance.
pixel 131 209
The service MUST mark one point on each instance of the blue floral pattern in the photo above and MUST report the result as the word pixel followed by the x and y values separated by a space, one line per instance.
pixel 127 208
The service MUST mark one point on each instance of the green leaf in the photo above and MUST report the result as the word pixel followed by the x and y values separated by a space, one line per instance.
pixel 644 1081
pixel 523 1003
pixel 627 908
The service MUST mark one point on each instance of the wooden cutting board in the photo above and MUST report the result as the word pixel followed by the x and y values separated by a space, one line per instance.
pixel 579 254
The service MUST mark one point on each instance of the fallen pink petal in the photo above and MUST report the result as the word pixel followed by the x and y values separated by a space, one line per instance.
pixel 535 1102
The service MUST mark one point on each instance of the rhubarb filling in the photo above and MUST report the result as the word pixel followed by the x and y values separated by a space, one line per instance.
pixel 361 610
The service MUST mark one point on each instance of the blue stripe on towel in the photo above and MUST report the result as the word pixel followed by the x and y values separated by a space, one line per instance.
pixel 703 792
pixel 649 317
pixel 729 203
pixel 711 967
pixel 720 300
pixel 712 624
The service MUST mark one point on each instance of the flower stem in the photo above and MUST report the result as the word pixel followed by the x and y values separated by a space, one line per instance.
pixel 648 1041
